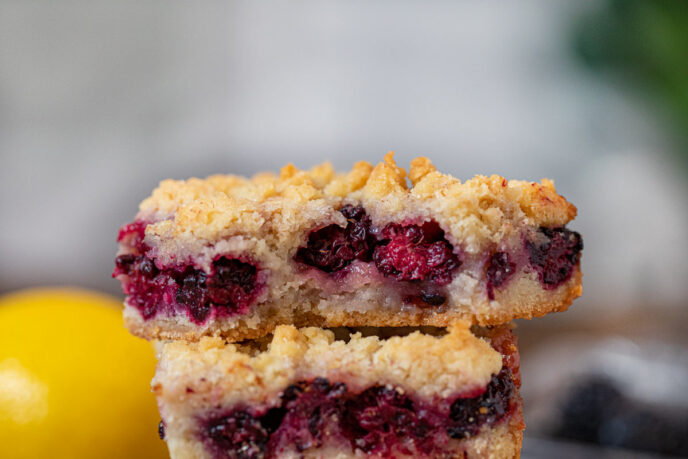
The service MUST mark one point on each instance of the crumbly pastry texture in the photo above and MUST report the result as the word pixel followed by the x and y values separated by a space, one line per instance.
pixel 422 363
pixel 266 221
pixel 208 379
pixel 275 206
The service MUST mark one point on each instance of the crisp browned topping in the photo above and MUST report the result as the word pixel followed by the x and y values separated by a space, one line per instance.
pixel 225 205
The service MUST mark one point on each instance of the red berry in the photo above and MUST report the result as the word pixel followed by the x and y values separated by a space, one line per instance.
pixel 416 253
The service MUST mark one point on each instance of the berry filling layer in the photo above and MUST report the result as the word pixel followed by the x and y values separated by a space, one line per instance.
pixel 421 258
pixel 415 262
pixel 230 288
pixel 417 255
pixel 381 420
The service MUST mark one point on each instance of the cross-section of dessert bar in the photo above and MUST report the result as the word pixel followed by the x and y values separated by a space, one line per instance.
pixel 316 393
pixel 235 257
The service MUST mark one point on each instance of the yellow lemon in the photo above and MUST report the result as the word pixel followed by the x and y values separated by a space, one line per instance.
pixel 73 382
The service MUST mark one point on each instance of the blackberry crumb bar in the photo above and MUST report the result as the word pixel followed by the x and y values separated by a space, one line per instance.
pixel 305 394
pixel 235 257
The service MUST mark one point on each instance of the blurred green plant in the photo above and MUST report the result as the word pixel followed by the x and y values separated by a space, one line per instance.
pixel 645 42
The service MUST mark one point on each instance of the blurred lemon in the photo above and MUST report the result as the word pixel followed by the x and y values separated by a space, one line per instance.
pixel 73 382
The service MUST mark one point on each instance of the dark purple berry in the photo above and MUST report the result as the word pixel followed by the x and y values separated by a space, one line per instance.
pixel 273 419
pixel 147 268
pixel 238 435
pixel 321 385
pixel 232 284
pixel 499 269
pixel 469 414
pixel 292 392
pixel 192 290
pixel 125 262
pixel 554 253
pixel 333 248
pixel 432 298
pixel 229 289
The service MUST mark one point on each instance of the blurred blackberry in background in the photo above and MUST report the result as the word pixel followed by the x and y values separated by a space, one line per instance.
pixel 596 411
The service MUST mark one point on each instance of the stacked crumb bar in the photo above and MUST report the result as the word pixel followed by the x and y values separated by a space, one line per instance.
pixel 364 314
